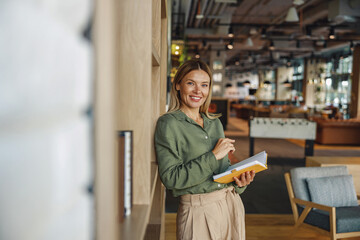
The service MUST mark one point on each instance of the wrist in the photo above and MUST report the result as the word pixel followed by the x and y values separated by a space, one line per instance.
pixel 216 157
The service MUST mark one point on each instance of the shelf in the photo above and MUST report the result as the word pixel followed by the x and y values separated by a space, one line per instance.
pixel 155 57
pixel 135 225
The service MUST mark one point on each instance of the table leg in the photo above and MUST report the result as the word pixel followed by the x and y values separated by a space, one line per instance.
pixel 309 147
pixel 251 145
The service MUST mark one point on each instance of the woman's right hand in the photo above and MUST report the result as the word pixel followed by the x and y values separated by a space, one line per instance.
pixel 223 147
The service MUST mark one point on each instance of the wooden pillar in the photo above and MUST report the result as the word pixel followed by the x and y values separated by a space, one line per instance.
pixel 106 186
pixel 355 86
pixel 277 83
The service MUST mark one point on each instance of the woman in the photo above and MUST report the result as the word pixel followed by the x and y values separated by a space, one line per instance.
pixel 191 148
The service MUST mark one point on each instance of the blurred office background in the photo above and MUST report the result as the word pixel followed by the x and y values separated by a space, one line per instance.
pixel 75 73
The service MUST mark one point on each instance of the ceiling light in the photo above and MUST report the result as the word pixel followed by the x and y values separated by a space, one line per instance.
pixel 288 63
pixel 246 83
pixel 351 46
pixel 249 42
pixel 231 44
pixel 286 83
pixel 292 15
pixel 332 33
pixel 231 32
pixel 276 55
pixel 298 2
pixel 176 52
pixel 271 47
pixel 253 31
pixel 197 54
pixel 263 32
pixel 226 1
pixel 199 15
pixel 267 82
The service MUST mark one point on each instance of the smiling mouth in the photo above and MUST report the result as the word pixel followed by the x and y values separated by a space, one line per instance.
pixel 195 98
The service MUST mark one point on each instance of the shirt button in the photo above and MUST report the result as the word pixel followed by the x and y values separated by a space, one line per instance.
pixel 219 185
pixel 206 137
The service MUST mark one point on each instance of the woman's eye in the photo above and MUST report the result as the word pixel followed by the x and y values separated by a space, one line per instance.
pixel 190 83
pixel 205 85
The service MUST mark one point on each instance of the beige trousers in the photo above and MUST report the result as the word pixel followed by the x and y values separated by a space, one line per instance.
pixel 217 215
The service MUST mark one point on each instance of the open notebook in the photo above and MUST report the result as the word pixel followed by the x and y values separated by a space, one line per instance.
pixel 257 163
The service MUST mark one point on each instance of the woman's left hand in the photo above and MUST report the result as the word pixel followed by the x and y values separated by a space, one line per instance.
pixel 245 178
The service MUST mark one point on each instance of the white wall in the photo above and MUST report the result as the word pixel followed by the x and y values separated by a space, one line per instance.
pixel 241 92
pixel 283 92
pixel 45 135
pixel 315 89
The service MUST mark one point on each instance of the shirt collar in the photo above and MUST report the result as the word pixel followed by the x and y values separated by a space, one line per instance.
pixel 180 115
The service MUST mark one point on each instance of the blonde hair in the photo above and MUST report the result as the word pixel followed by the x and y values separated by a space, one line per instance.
pixel 175 99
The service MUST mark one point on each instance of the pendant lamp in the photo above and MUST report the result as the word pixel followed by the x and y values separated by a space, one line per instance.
pixel 292 15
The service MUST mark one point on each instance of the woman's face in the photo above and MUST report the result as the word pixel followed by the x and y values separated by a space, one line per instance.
pixel 194 89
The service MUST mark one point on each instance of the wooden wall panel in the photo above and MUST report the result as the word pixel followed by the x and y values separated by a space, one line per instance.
pixel 133 87
pixel 105 115
pixel 155 106
pixel 131 65
pixel 164 57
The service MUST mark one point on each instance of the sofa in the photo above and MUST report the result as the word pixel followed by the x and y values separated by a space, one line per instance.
pixel 335 131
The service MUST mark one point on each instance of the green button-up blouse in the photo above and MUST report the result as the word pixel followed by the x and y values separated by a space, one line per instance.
pixel 184 154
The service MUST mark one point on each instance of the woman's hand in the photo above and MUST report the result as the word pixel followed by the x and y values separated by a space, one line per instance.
pixel 245 178
pixel 223 147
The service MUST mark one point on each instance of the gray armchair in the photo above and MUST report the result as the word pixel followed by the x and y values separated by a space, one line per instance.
pixel 324 198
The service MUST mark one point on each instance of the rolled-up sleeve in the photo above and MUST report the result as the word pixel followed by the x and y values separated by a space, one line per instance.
pixel 174 173
pixel 238 189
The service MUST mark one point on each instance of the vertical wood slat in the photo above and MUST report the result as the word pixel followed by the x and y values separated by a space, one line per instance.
pixel 133 87
pixel 164 9
pixel 106 187
pixel 155 108
pixel 156 24
pixel 163 64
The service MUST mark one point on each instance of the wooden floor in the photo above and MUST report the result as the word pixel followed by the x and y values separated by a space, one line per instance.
pixel 262 227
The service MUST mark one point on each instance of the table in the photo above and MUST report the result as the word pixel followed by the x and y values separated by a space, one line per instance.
pixel 283 128
pixel 352 163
